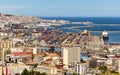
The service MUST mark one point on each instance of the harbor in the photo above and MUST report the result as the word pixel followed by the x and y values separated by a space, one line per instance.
pixel 40 42
pixel 59 37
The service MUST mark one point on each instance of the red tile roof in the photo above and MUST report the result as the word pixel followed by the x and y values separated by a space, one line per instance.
pixel 21 53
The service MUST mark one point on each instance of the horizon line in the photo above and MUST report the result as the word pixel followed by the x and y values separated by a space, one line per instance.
pixel 61 16
pixel 81 16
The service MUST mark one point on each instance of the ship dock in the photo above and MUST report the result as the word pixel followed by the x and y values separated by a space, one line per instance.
pixel 77 27
pixel 84 39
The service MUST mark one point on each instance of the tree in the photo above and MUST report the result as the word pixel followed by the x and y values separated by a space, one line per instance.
pixel 74 74
pixel 65 73
pixel 35 65
pixel 25 72
pixel 17 74
pixel 43 73
pixel 33 57
pixel 114 72
pixel 103 69
pixel 37 73
pixel 31 72
pixel 82 61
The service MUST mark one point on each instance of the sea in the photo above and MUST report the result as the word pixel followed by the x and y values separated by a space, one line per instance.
pixel 100 24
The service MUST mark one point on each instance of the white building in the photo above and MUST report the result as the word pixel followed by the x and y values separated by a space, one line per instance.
pixel 119 65
pixel 81 68
pixel 53 71
pixel 15 68
pixel 36 50
pixel 71 55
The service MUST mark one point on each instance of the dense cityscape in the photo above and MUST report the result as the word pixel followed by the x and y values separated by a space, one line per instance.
pixel 29 47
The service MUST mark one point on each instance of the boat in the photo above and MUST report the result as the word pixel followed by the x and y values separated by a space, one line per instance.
pixel 105 36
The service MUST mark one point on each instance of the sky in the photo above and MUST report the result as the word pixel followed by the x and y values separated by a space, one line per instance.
pixel 62 8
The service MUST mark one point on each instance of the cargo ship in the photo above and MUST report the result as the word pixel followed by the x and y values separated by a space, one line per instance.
pixel 105 36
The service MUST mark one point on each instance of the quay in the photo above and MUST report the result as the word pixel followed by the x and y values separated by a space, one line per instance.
pixel 77 27
pixel 107 31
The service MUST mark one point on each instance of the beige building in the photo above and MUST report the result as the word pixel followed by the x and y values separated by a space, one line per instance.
pixel 0 70
pixel 119 65
pixel 116 64
pixel 71 55
pixel 5 47
pixel 47 69
pixel 16 68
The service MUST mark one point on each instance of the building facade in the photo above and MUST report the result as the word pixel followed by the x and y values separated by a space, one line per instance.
pixel 5 47
pixel 81 68
pixel 71 55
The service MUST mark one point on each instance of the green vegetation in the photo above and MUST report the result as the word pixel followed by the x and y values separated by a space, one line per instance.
pixel 114 72
pixel 103 68
pixel 43 73
pixel 32 57
pixel 82 61
pixel 35 65
pixel 109 73
pixel 25 72
pixel 32 72
pixel 74 74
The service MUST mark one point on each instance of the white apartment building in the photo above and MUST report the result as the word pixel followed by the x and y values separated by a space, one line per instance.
pixel 71 55
pixel 81 68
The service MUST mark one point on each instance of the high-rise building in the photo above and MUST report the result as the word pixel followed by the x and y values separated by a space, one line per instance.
pixel 71 55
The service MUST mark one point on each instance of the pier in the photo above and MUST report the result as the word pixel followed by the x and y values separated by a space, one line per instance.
pixel 107 24
pixel 107 31
pixel 77 27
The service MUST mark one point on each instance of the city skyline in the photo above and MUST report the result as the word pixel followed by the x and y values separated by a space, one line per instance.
pixel 43 37
pixel 70 8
